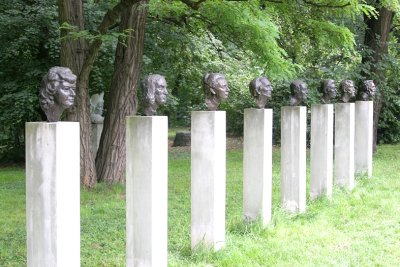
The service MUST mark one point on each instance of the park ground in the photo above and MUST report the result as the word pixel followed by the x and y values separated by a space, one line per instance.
pixel 358 228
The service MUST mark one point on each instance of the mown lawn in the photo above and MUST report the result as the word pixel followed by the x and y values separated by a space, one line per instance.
pixel 358 228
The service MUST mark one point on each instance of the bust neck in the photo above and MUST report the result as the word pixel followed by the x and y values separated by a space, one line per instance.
pixel 325 99
pixel 212 103
pixel 54 113
pixel 294 101
pixel 346 98
pixel 150 110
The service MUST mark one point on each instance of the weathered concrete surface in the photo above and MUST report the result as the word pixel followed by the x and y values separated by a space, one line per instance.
pixel 293 158
pixel 321 152
pixel 257 165
pixel 344 145
pixel 208 152
pixel 53 194
pixel 97 129
pixel 146 191
pixel 364 117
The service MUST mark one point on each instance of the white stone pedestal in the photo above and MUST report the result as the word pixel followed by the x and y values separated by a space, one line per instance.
pixel 146 191
pixel 364 118
pixel 97 128
pixel 344 145
pixel 321 154
pixel 53 194
pixel 257 165
pixel 293 158
pixel 208 131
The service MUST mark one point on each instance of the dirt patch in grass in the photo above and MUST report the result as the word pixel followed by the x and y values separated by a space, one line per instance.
pixel 231 144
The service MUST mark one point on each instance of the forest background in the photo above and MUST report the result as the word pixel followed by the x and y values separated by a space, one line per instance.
pixel 111 45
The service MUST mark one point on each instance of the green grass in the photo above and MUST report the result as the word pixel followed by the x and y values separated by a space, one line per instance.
pixel 358 228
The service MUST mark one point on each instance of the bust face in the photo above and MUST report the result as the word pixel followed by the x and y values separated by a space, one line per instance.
pixel 221 89
pixel 65 94
pixel 370 87
pixel 348 87
pixel 265 88
pixel 161 92
pixel 302 91
pixel 261 90
pixel 330 88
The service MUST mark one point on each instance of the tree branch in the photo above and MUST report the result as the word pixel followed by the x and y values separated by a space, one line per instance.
pixel 109 19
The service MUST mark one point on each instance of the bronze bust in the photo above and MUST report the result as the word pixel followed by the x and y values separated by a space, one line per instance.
pixel 347 90
pixel 368 90
pixel 261 90
pixel 298 93
pixel 57 92
pixel 215 89
pixel 328 90
pixel 155 93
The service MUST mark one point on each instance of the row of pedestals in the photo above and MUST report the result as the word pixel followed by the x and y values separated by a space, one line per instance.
pixel 53 184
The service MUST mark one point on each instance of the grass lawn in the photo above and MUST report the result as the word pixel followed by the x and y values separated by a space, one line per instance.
pixel 358 228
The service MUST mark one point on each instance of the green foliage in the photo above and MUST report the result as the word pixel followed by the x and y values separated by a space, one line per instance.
pixel 389 121
pixel 29 47
pixel 244 41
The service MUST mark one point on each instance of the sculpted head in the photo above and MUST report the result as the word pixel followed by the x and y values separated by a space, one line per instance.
pixel 298 92
pixel 347 90
pixel 97 108
pixel 328 90
pixel 155 93
pixel 261 90
pixel 57 92
pixel 215 89
pixel 368 90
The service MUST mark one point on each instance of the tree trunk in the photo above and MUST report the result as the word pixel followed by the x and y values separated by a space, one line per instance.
pixel 80 60
pixel 72 55
pixel 377 39
pixel 72 52
pixel 110 160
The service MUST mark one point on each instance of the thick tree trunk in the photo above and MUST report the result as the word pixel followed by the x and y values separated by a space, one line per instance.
pixel 110 160
pixel 72 55
pixel 72 52
pixel 377 39
pixel 80 58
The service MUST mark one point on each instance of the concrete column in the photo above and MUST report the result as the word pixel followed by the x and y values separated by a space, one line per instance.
pixel 208 131
pixel 257 165
pixel 146 191
pixel 97 129
pixel 321 153
pixel 293 158
pixel 344 145
pixel 364 117
pixel 52 194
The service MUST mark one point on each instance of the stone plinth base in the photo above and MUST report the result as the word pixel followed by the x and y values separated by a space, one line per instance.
pixel 364 118
pixel 208 132
pixel 146 190
pixel 293 158
pixel 321 154
pixel 257 165
pixel 97 128
pixel 53 194
pixel 344 145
